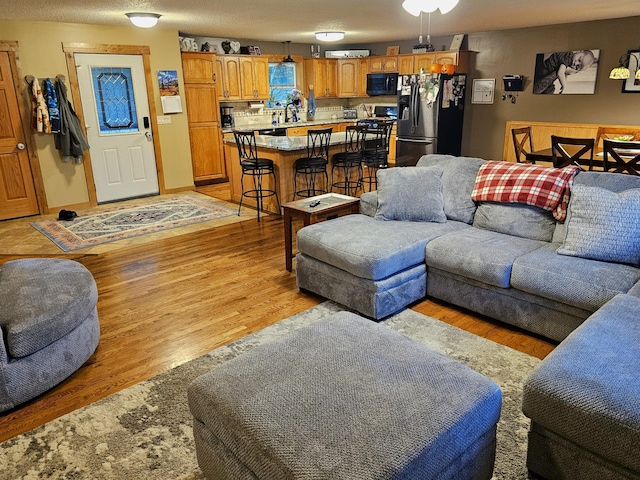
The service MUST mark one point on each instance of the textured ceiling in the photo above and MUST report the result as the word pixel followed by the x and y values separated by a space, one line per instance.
pixel 365 21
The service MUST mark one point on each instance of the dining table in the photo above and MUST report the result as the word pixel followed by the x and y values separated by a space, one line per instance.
pixel 546 155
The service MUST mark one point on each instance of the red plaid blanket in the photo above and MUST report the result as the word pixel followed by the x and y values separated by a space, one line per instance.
pixel 547 188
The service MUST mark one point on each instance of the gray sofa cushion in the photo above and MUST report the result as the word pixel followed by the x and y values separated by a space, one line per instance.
pixel 369 203
pixel 411 194
pixel 478 254
pixel 587 391
pixel 616 182
pixel 516 219
pixel 458 179
pixel 370 248
pixel 580 282
pixel 603 225
pixel 43 299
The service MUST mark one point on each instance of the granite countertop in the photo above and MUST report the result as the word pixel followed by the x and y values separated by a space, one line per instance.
pixel 289 144
pixel 307 123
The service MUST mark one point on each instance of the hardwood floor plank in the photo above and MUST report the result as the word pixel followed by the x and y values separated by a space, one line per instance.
pixel 169 301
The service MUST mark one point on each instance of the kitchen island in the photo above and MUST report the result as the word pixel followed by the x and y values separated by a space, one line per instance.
pixel 284 151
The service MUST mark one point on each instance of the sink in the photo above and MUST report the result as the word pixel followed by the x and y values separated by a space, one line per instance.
pixel 274 132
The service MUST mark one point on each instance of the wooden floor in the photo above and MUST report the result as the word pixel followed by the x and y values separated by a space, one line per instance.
pixel 169 301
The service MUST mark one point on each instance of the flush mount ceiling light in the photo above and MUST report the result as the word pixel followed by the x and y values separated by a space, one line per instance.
pixel 329 36
pixel 415 7
pixel 144 20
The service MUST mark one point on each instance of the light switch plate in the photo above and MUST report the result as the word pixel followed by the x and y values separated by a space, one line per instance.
pixel 163 119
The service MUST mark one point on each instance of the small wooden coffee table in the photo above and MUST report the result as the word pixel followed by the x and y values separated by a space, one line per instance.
pixel 331 205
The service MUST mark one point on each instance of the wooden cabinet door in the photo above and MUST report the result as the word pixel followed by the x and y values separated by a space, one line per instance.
pixel 231 78
pixel 332 78
pixel 423 61
pixel 383 64
pixel 261 76
pixel 348 73
pixel 247 79
pixel 206 152
pixel 202 103
pixel 199 67
pixel 323 75
pixel 405 63
pixel 363 70
pixel 17 189
pixel 447 58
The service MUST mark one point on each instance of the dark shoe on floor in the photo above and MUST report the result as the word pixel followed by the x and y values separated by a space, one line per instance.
pixel 67 215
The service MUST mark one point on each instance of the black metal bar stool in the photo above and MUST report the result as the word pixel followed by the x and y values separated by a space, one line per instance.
pixel 376 152
pixel 256 168
pixel 313 165
pixel 349 162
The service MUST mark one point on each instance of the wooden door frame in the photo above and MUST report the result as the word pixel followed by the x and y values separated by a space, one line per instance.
pixel 24 106
pixel 70 49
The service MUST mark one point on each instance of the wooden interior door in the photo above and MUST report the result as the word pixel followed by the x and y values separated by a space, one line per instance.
pixel 17 190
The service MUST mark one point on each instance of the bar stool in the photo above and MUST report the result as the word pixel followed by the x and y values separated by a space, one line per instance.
pixel 314 164
pixel 376 151
pixel 256 168
pixel 349 161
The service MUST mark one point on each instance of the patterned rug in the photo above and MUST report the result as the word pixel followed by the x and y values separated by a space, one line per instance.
pixel 145 431
pixel 131 220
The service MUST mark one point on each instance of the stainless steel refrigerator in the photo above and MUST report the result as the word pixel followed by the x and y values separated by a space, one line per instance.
pixel 430 114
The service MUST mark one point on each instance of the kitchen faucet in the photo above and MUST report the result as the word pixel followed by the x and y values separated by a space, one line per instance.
pixel 286 112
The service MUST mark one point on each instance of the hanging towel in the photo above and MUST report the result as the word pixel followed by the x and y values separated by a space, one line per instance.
pixel 52 104
pixel 40 116
pixel 70 141
pixel 311 104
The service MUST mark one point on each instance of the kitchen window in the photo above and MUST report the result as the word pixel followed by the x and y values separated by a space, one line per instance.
pixel 282 81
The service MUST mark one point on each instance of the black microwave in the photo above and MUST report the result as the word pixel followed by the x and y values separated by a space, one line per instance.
pixel 382 84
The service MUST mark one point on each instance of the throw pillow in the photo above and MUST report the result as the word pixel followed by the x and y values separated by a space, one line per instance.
pixel 603 225
pixel 410 193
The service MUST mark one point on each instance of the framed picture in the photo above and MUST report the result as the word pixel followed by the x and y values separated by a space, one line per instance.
pixel 572 72
pixel 256 50
pixel 393 50
pixel 631 84
pixel 483 89
pixel 456 43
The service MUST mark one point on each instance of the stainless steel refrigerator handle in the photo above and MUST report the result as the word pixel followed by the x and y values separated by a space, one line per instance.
pixel 415 103
pixel 413 140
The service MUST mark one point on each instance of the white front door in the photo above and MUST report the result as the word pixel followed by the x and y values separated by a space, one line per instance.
pixel 116 113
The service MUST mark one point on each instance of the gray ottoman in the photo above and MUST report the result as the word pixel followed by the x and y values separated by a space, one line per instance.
pixel 344 398
pixel 49 325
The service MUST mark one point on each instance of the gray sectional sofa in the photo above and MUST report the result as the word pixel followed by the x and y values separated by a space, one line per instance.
pixel 518 264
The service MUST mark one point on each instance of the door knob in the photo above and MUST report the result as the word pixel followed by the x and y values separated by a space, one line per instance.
pixel 20 146
pixel 148 135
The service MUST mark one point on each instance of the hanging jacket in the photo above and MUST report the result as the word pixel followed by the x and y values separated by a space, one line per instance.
pixel 70 141
pixel 40 112
pixel 52 104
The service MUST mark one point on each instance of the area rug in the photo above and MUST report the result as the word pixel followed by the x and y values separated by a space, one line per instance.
pixel 145 431
pixel 131 220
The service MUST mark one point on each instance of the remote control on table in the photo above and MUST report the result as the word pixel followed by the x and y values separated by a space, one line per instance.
pixel 315 203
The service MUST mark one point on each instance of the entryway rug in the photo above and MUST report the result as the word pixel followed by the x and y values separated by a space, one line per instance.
pixel 131 220
pixel 145 431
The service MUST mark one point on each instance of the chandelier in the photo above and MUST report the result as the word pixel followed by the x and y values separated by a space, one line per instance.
pixel 415 7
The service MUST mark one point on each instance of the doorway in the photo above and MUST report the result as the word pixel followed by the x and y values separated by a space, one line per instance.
pixel 118 124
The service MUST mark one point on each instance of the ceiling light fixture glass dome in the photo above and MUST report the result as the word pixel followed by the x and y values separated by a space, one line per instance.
pixel 143 20
pixel 329 36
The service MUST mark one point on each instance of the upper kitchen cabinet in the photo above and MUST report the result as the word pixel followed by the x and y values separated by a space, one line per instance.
pixel 385 63
pixel 423 61
pixel 455 57
pixel 405 64
pixel 199 67
pixel 254 78
pixel 352 77
pixel 322 73
pixel 229 78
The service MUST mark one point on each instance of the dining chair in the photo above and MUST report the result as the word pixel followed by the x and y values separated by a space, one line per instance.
pixel 375 154
pixel 313 165
pixel 349 161
pixel 568 151
pixel 616 133
pixel 625 156
pixel 255 168
pixel 522 137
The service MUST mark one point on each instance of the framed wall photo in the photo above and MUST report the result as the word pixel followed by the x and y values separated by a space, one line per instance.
pixel 256 50
pixel 456 43
pixel 393 50
pixel 632 84
pixel 571 72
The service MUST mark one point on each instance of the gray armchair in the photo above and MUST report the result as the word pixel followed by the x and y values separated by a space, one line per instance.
pixel 48 325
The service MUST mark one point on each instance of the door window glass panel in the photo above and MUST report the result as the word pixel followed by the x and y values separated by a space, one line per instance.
pixel 115 103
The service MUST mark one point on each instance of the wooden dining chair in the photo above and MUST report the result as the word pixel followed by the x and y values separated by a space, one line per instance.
pixel 521 137
pixel 621 157
pixel 617 134
pixel 572 151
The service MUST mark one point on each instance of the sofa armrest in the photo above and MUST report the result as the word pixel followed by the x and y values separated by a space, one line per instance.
pixel 369 203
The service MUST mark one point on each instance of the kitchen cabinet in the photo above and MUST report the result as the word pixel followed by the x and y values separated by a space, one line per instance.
pixel 254 78
pixel 200 75
pixel 424 61
pixel 302 130
pixel 352 77
pixel 385 63
pixel 405 64
pixel 229 77
pixel 455 57
pixel 322 73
